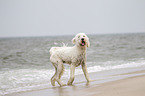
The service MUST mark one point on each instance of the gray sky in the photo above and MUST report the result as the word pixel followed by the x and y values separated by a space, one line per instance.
pixel 67 17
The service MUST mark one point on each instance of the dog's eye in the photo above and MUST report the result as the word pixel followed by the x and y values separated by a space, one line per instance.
pixel 83 35
pixel 78 36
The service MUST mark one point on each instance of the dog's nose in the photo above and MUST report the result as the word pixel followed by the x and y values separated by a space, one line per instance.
pixel 82 39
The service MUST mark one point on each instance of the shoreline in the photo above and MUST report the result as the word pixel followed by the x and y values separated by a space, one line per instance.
pixel 121 82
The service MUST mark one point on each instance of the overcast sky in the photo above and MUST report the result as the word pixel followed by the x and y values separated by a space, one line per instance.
pixel 68 17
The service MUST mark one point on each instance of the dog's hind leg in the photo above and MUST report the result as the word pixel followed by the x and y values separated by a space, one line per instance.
pixel 62 71
pixel 59 72
pixel 54 76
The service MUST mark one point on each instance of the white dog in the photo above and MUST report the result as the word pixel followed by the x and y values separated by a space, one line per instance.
pixel 74 56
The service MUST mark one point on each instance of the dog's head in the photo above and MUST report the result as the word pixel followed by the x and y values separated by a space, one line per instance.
pixel 81 40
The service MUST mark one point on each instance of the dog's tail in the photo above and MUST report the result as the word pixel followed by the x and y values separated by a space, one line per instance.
pixel 64 45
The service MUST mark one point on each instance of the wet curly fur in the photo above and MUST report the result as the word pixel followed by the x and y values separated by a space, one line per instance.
pixel 74 56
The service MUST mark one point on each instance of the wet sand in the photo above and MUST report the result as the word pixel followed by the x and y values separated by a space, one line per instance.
pixel 126 84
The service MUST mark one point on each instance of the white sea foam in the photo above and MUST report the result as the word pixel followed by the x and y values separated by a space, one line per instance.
pixel 23 80
pixel 123 65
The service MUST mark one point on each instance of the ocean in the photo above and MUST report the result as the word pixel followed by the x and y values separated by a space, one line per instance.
pixel 25 64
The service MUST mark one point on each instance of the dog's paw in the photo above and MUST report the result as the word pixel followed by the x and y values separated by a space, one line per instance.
pixel 62 85
pixel 69 84
pixel 53 82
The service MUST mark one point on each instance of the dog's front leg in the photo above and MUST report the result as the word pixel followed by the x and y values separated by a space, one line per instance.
pixel 84 68
pixel 72 71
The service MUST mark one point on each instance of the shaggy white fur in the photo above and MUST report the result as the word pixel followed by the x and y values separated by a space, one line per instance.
pixel 74 56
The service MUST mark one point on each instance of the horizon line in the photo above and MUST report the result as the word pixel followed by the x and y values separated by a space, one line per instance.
pixel 70 35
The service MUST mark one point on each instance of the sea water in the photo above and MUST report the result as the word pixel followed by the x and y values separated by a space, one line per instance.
pixel 25 64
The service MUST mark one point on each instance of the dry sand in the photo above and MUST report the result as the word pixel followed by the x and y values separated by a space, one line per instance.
pixel 134 86
pixel 131 86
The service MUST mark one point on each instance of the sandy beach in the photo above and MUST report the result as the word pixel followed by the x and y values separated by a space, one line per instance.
pixel 134 86
pixel 124 84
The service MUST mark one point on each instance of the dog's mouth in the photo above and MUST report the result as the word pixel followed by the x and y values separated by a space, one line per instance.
pixel 83 43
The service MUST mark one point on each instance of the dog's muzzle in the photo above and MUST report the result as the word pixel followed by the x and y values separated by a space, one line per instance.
pixel 83 42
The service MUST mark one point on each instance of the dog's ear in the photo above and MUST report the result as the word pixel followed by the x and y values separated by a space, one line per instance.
pixel 88 43
pixel 74 40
